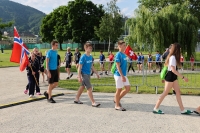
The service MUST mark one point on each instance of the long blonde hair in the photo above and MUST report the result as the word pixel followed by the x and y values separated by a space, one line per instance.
pixel 175 50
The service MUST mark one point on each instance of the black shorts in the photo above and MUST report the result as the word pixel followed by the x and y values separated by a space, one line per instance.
pixel 41 69
pixel 77 61
pixel 139 63
pixel 158 63
pixel 67 65
pixel 181 63
pixel 54 76
pixel 170 76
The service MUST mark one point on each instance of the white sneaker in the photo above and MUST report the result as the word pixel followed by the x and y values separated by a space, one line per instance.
pixel 32 96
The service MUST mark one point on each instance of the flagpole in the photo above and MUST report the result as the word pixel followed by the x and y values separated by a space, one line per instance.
pixel 34 76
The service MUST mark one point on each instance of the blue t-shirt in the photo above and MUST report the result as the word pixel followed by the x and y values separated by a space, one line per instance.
pixel 121 58
pixel 149 59
pixel 52 55
pixel 139 58
pixel 158 57
pixel 101 57
pixel 86 62
pixel 142 58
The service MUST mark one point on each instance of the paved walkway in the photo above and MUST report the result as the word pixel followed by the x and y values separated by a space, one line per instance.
pixel 65 116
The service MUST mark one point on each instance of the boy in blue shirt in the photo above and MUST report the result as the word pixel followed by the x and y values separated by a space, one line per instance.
pixel 120 76
pixel 84 68
pixel 52 70
pixel 102 59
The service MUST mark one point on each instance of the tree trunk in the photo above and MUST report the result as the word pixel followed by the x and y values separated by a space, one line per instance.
pixel 109 45
pixel 61 46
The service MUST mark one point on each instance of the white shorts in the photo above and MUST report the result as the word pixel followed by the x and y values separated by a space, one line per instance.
pixel 119 83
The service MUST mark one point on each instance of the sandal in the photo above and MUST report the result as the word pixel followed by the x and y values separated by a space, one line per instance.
pixel 196 112
pixel 187 112
pixel 120 109
pixel 96 105
pixel 78 102
pixel 158 112
pixel 119 103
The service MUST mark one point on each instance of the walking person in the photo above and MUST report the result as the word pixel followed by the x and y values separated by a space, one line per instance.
pixel 42 60
pixel 181 60
pixel 32 69
pixel 149 62
pixel 84 69
pixel 172 61
pixel 77 56
pixel 58 64
pixel 111 58
pixel 131 65
pixel 139 62
pixel 37 75
pixel 192 62
pixel 158 62
pixel 101 60
pixel 68 59
pixel 120 76
pixel 52 71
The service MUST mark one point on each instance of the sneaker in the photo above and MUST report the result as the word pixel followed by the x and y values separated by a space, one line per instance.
pixel 186 112
pixel 38 93
pixel 51 100
pixel 25 91
pixel 91 74
pixel 32 96
pixel 101 74
pixel 71 75
pixel 46 94
pixel 157 111
pixel 67 78
pixel 154 71
pixel 174 93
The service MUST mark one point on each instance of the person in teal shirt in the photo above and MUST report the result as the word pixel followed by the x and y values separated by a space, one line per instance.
pixel 120 76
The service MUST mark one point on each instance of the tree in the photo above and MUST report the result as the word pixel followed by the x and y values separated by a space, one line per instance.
pixel 173 23
pixel 111 24
pixel 83 16
pixel 55 26
pixel 4 25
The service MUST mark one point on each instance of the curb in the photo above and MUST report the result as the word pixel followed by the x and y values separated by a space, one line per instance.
pixel 28 101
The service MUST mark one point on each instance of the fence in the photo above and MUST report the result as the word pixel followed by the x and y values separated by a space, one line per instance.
pixel 151 77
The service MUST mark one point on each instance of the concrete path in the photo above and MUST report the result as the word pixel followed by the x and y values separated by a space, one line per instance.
pixel 65 116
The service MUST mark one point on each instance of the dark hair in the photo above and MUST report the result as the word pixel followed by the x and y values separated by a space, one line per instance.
pixel 53 43
pixel 87 44
pixel 120 42
pixel 175 50
pixel 101 51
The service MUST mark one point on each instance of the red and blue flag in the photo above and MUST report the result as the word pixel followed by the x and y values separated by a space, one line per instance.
pixel 19 51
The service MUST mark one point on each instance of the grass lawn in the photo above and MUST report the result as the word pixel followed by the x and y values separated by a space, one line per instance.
pixel 146 86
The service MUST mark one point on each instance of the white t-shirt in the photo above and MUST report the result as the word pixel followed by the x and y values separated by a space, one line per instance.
pixel 172 62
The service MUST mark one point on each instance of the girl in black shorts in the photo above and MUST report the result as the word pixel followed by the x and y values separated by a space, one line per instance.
pixel 172 61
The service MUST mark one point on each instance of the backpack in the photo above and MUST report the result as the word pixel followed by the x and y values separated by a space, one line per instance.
pixel 114 66
pixel 163 72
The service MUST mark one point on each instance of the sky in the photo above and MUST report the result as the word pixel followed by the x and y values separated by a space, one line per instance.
pixel 126 6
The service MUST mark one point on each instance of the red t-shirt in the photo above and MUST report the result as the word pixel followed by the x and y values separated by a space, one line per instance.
pixel 111 57
pixel 192 59
pixel 181 59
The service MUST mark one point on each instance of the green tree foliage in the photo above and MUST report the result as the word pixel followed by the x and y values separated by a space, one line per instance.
pixel 111 24
pixel 83 16
pixel 3 26
pixel 25 18
pixel 173 23
pixel 55 26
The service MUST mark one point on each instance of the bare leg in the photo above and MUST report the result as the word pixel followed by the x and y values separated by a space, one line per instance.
pixel 117 97
pixel 89 92
pixel 178 94
pixel 168 86
pixel 50 88
pixel 124 92
pixel 80 91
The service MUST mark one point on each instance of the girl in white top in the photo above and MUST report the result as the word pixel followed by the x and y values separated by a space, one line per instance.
pixel 173 60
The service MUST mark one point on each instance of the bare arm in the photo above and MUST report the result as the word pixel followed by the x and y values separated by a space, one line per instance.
pixel 178 74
